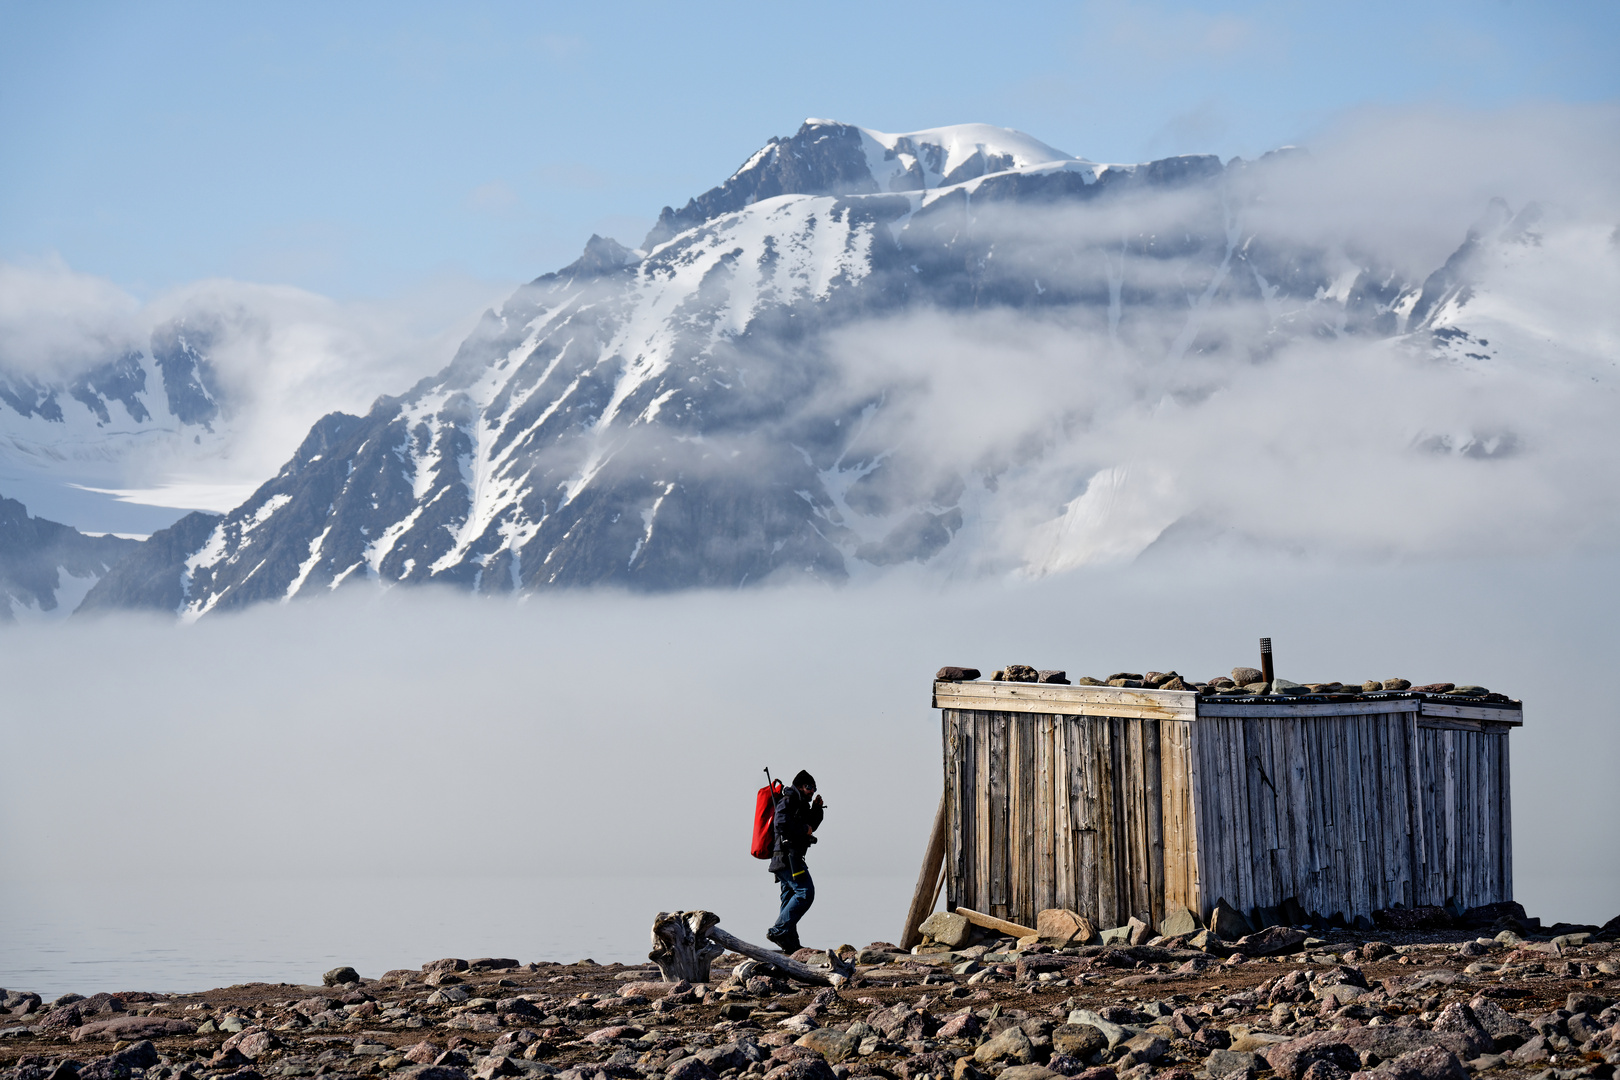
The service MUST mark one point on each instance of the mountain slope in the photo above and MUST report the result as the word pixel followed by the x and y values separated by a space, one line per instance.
pixel 46 567
pixel 693 413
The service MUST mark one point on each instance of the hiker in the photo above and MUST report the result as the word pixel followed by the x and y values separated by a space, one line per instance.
pixel 797 815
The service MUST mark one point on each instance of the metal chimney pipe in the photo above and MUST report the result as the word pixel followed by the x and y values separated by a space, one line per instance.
pixel 1265 661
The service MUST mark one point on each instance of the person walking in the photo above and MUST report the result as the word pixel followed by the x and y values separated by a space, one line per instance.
pixel 797 815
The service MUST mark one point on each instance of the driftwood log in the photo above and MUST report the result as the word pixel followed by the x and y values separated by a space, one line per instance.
pixel 685 943
pixel 681 946
pixel 837 976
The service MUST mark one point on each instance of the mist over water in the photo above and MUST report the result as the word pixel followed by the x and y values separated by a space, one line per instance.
pixel 382 778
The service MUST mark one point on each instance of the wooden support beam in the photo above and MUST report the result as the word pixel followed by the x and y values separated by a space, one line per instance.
pixel 928 880
pixel 990 922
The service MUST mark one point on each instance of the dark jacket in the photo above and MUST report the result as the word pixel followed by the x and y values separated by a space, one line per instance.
pixel 794 821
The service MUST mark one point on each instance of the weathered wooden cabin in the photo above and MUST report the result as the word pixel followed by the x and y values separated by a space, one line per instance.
pixel 1119 802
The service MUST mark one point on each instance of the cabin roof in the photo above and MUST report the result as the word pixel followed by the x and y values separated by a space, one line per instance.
pixel 1065 700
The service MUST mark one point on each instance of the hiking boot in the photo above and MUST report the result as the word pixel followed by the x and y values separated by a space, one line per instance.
pixel 788 942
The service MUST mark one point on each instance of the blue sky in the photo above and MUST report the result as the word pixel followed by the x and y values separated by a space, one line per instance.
pixel 367 150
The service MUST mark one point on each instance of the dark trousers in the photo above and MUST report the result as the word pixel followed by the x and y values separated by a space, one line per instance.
pixel 798 893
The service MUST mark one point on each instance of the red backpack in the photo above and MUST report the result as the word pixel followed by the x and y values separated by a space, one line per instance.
pixel 764 818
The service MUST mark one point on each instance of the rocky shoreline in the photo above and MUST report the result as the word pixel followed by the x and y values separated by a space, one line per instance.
pixel 1393 1005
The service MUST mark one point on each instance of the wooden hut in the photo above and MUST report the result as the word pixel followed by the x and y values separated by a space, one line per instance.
pixel 1116 802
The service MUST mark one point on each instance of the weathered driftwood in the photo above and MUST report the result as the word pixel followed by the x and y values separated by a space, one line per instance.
pixel 685 943
pixel 682 948
pixel 785 964
pixel 928 881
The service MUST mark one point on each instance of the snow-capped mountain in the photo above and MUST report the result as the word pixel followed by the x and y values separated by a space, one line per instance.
pixel 45 567
pixel 701 410
pixel 165 390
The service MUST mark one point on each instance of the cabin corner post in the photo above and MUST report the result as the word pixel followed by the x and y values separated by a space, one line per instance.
pixel 1506 825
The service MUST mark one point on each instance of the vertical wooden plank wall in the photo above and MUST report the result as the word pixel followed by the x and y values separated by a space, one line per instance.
pixel 1350 813
pixel 1466 852
pixel 1115 817
pixel 1094 814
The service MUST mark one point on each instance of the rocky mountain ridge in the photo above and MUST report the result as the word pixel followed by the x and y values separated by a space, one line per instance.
pixel 684 415
pixel 46 567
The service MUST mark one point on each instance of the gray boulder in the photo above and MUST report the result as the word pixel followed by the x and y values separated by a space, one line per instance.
pixel 1010 1045
pixel 947 928
pixel 1178 921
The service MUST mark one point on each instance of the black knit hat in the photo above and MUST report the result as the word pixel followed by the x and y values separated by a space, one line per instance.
pixel 804 779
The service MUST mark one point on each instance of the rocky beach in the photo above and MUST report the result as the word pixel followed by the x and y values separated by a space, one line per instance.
pixel 1424 995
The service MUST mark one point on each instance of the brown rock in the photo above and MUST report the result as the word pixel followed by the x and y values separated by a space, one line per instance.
pixel 811 1067
pixel 492 963
pixel 253 1042
pixel 691 1068
pixel 1325 1070
pixel 133 1027
pixel 1020 673
pixel 1026 1072
pixel 1434 688
pixel 1271 941
pixel 918 1066
pixel 1243 676
pixel 1061 927
pixel 1060 678
pixel 449 963
pixel 423 1053
pixel 1147 1047
pixel 61 1018
pixel 1344 1047
pixel 495 1065
pixel 1470 1037
pixel 956 674
pixel 1010 1045
pixel 1078 1040
pixel 1429 1063
pixel 830 1043
pixel 1507 1031
pixel 964 1025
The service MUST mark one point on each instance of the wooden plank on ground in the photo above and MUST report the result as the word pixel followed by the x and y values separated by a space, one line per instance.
pixel 991 922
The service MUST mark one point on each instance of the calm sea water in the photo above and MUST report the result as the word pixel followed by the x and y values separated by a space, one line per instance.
pixel 176 935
